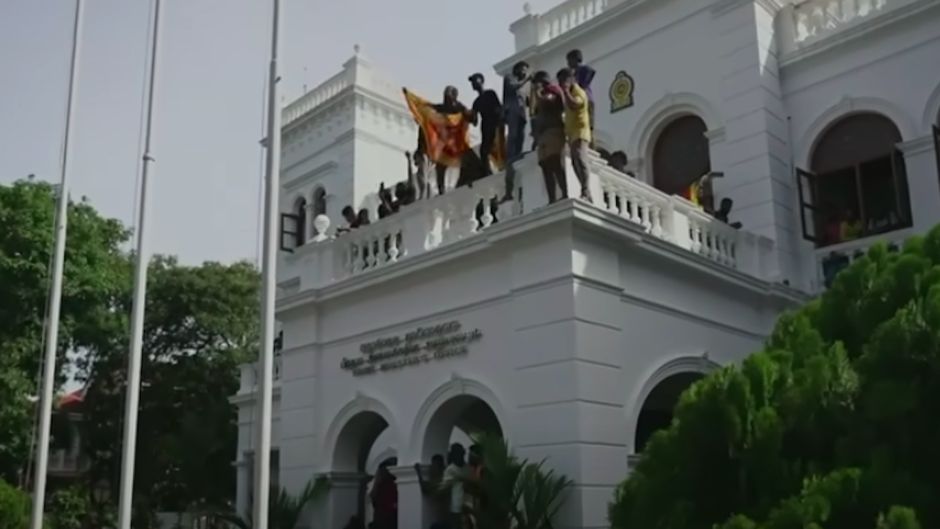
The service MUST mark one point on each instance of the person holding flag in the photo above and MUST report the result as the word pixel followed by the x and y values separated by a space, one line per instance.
pixel 444 130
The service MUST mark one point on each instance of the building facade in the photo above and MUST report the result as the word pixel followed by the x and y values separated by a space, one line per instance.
pixel 572 328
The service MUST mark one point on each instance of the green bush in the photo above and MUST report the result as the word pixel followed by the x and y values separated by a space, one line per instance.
pixel 831 425
pixel 14 507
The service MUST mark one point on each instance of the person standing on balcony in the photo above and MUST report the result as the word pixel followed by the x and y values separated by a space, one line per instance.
pixel 487 112
pixel 549 131
pixel 577 127
pixel 515 108
pixel 584 75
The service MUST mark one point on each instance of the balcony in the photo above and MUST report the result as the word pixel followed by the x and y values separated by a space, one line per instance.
pixel 426 226
pixel 808 25
pixel 534 29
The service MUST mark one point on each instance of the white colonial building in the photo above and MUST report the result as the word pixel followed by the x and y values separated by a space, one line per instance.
pixel 572 328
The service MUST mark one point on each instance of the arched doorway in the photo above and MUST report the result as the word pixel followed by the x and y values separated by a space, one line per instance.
pixel 352 456
pixel 461 419
pixel 681 155
pixel 856 185
pixel 659 406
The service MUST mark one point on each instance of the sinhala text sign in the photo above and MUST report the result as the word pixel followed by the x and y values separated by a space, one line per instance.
pixel 419 346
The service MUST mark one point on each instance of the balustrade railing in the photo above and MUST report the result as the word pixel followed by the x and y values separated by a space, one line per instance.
pixel 250 374
pixel 813 19
pixel 316 97
pixel 464 212
pixel 567 16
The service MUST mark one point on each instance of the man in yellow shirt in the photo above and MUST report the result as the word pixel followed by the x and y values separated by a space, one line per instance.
pixel 577 127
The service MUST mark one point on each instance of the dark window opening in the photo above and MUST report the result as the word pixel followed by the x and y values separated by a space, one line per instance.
pixel 681 155
pixel 858 183
pixel 319 202
pixel 659 407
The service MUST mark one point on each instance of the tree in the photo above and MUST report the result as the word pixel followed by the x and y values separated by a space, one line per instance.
pixel 285 509
pixel 517 493
pixel 201 323
pixel 832 424
pixel 95 270
pixel 14 507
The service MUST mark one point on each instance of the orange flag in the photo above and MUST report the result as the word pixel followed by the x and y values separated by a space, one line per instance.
pixel 445 135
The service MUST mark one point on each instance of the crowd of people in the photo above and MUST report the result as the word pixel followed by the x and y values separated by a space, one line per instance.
pixel 451 486
pixel 560 115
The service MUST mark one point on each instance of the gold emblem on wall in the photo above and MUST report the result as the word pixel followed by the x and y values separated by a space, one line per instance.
pixel 621 92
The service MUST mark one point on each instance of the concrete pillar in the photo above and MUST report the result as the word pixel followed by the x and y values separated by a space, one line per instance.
pixel 923 181
pixel 758 176
pixel 411 511
pixel 243 486
pixel 344 499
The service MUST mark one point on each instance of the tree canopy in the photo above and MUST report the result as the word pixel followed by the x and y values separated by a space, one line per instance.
pixel 833 424
pixel 201 323
pixel 95 271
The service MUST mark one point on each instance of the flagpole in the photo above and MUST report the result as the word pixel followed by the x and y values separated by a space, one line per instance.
pixel 55 292
pixel 142 258
pixel 269 282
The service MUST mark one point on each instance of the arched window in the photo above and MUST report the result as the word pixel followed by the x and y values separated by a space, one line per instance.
pixel 680 155
pixel 857 182
pixel 319 201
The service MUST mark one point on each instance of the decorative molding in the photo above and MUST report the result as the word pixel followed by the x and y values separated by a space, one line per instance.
pixel 932 111
pixel 847 106
pixel 676 366
pixel 921 145
pixel 455 387
pixel 293 184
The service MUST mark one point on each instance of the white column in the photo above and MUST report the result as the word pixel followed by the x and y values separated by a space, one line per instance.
pixel 923 182
pixel 411 511
pixel 756 159
pixel 243 485
pixel 346 489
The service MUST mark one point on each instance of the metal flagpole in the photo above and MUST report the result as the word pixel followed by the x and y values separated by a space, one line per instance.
pixel 129 447
pixel 55 292
pixel 269 285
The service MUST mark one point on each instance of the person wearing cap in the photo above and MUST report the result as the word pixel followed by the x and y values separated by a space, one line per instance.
pixel 488 113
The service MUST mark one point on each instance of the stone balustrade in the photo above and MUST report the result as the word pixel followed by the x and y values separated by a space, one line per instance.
pixel 802 24
pixel 567 16
pixel 316 97
pixel 534 28
pixel 250 373
pixel 817 18
pixel 459 214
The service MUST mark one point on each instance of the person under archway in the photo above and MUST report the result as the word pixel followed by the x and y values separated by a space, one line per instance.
pixel 431 490
pixel 384 498
pixel 455 475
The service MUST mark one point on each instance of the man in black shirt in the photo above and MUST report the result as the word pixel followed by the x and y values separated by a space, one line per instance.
pixel 488 112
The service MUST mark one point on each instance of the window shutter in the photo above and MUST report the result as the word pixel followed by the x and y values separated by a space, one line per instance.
pixel 289 231
pixel 902 195
pixel 809 212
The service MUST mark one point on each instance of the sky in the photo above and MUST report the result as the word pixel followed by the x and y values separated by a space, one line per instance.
pixel 204 188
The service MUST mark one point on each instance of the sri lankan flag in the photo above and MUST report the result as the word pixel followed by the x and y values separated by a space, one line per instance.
pixel 445 135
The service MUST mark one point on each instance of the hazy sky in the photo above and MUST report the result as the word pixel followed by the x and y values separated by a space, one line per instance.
pixel 204 193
